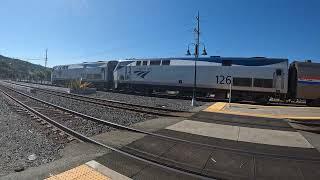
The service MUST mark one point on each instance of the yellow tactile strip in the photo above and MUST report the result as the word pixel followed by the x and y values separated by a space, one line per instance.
pixel 218 107
pixel 83 172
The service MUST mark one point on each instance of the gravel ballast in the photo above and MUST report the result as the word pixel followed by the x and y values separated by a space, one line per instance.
pixel 90 128
pixel 87 127
pixel 23 143
pixel 177 104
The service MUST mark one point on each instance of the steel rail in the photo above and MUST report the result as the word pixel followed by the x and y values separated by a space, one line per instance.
pixel 118 126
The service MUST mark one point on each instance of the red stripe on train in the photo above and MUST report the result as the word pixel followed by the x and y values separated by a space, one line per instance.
pixel 309 77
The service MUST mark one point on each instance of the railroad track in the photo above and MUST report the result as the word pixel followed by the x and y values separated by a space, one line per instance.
pixel 114 104
pixel 57 116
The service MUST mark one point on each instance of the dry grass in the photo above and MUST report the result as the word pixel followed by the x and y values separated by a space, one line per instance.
pixel 78 84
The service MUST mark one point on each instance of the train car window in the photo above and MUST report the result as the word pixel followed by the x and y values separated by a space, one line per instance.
pixel 264 83
pixel 145 63
pixel 93 76
pixel 97 76
pixel 165 62
pixel 279 72
pixel 138 63
pixel 155 63
pixel 226 62
pixel 89 76
pixel 238 81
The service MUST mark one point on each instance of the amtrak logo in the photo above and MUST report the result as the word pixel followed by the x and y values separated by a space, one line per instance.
pixel 142 74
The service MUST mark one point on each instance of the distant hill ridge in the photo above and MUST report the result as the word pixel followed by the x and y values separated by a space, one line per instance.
pixel 18 69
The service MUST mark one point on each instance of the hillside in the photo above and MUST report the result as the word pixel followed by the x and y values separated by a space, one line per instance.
pixel 18 69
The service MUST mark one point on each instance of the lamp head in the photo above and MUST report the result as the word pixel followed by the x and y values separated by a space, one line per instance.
pixel 188 52
pixel 204 52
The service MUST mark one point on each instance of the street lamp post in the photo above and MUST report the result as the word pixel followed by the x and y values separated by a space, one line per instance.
pixel 196 56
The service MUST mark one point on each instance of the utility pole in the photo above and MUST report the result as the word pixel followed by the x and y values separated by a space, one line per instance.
pixel 196 55
pixel 45 64
pixel 46 59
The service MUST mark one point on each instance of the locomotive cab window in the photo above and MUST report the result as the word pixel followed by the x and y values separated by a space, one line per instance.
pixel 238 81
pixel 138 63
pixel 145 63
pixel 226 63
pixel 165 62
pixel 155 63
pixel 264 83
pixel 278 72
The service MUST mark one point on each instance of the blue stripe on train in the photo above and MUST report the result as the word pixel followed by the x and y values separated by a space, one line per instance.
pixel 241 61
pixel 309 82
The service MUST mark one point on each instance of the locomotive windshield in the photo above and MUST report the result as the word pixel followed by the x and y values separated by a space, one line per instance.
pixel 122 64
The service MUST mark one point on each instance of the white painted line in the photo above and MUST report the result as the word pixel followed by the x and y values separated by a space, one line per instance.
pixel 206 129
pixel 245 134
pixel 106 171
pixel 273 137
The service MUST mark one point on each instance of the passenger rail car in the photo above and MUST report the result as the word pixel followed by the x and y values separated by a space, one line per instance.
pixel 304 82
pixel 99 74
pixel 251 78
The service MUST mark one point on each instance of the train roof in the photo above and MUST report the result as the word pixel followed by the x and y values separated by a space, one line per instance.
pixel 306 64
pixel 87 63
pixel 245 61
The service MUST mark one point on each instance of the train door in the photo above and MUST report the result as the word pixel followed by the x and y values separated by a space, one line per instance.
pixel 129 73
pixel 104 75
pixel 126 73
pixel 278 79
pixel 109 70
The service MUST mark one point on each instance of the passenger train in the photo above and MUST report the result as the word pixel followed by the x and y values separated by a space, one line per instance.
pixel 256 78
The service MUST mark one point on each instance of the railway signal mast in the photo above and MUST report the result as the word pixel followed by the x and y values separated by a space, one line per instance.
pixel 196 55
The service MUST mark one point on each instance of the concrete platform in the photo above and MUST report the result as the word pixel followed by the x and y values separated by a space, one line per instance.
pixel 279 112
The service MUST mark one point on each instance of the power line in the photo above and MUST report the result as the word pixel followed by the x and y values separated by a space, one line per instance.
pixel 45 59
pixel 28 59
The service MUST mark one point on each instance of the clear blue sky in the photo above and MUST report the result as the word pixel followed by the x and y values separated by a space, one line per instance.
pixel 88 30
